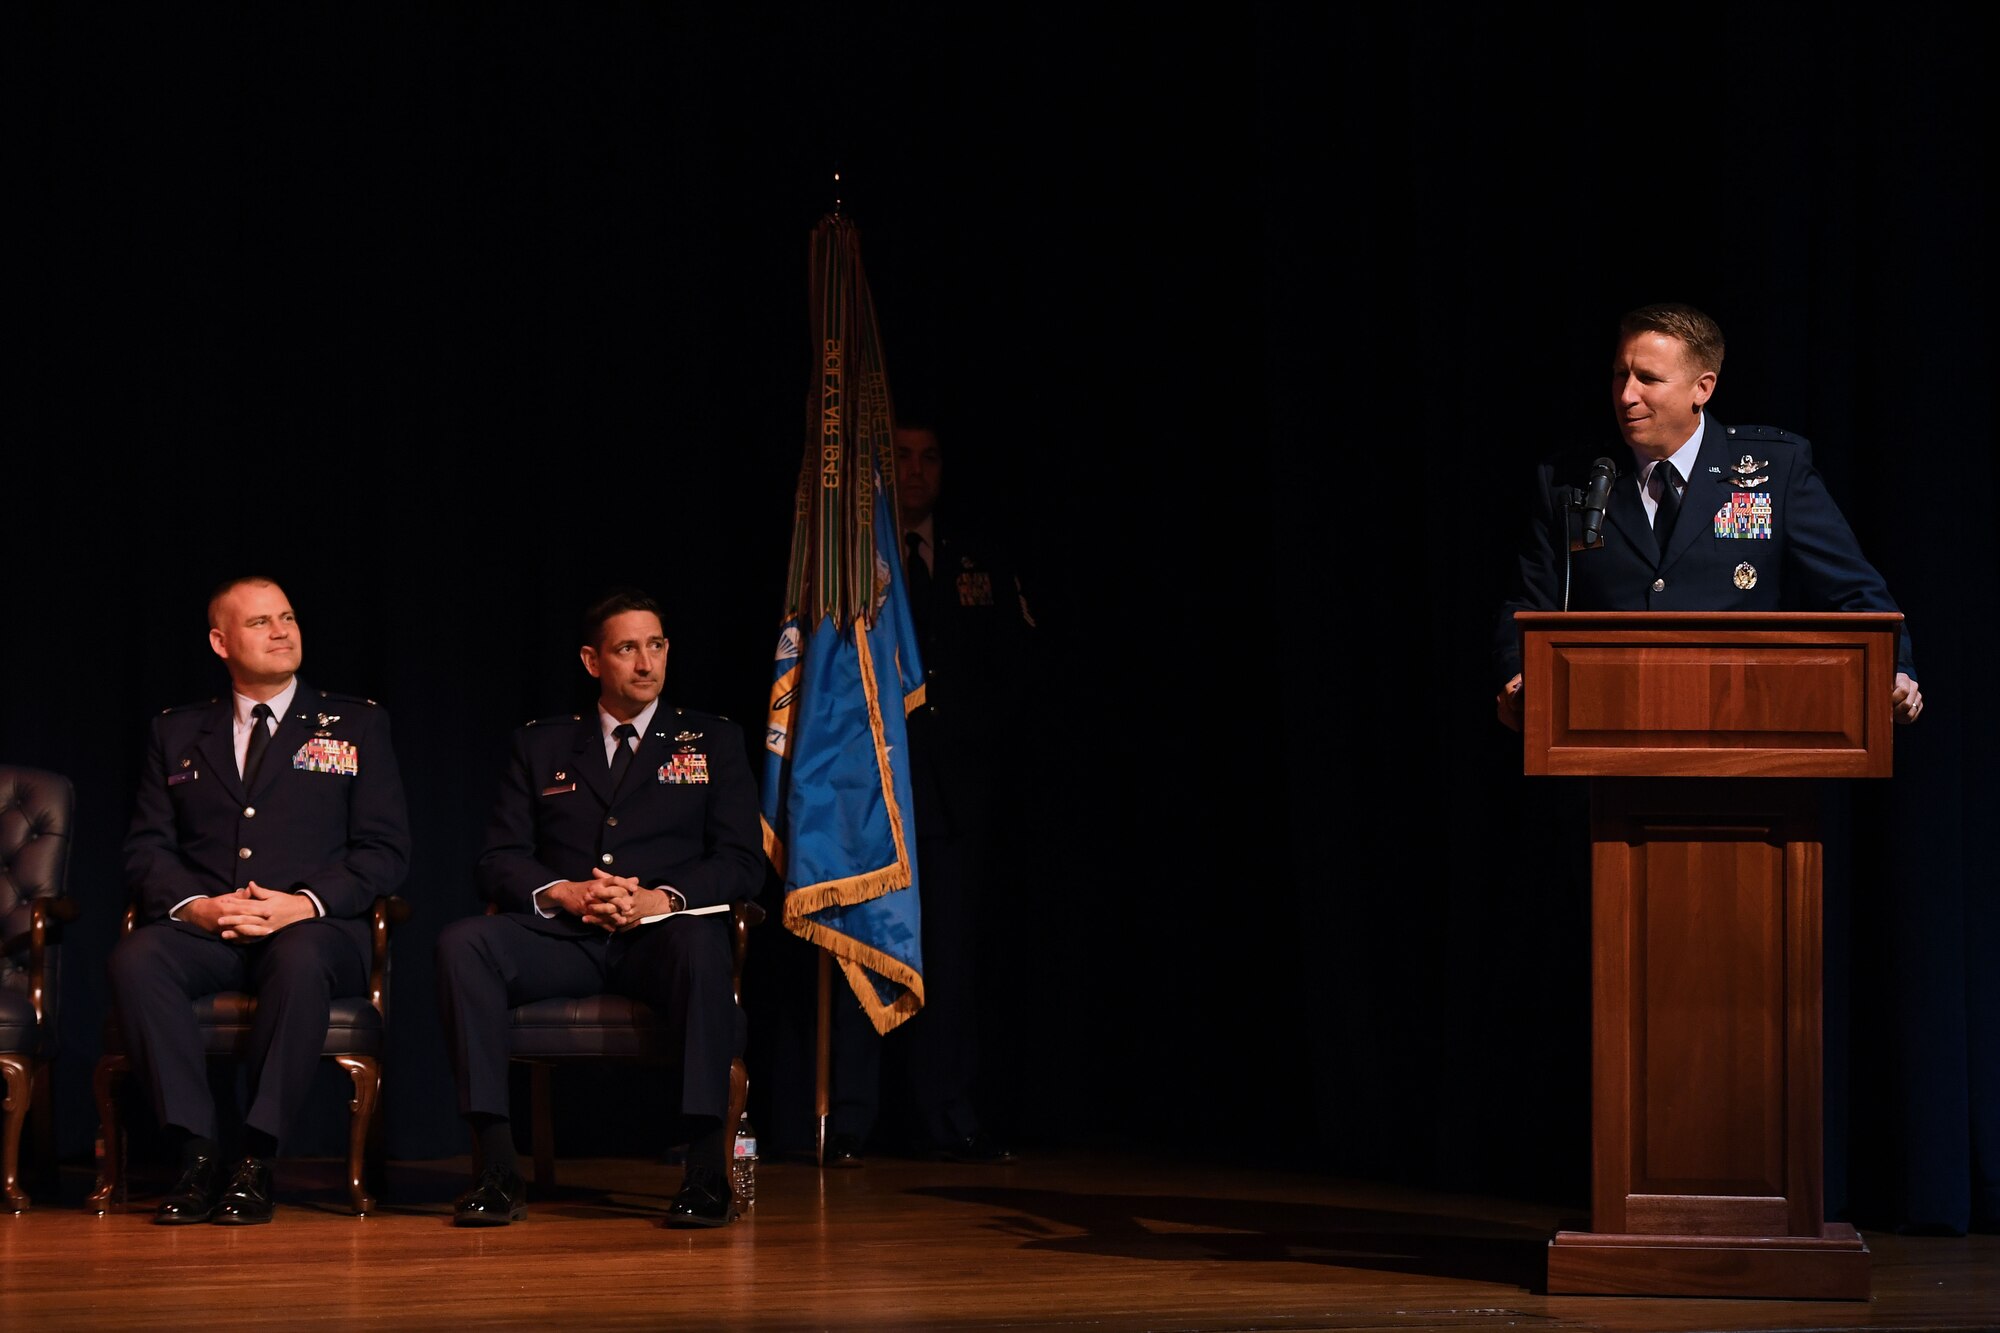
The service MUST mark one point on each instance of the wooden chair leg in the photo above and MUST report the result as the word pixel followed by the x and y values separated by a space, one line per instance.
pixel 375 1163
pixel 42 1131
pixel 542 1109
pixel 366 1072
pixel 109 1195
pixel 20 1074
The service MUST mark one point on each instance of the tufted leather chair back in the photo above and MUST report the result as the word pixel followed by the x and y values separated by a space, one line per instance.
pixel 36 810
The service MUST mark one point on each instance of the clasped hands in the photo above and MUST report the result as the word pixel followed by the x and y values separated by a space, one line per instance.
pixel 252 912
pixel 611 902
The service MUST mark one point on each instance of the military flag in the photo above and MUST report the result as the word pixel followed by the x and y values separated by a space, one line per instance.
pixel 839 824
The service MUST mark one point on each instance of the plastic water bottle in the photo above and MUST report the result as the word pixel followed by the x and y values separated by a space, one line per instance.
pixel 743 1163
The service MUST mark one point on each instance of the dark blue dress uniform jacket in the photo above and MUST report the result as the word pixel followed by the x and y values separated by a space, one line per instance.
pixel 197 832
pixel 555 820
pixel 975 637
pixel 1809 562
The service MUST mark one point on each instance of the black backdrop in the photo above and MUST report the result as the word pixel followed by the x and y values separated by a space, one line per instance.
pixel 1249 324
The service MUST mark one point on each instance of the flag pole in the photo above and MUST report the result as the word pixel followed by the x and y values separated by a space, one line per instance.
pixel 823 1010
pixel 823 1035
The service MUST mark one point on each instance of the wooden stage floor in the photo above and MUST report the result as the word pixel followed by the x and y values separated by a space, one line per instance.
pixel 1088 1243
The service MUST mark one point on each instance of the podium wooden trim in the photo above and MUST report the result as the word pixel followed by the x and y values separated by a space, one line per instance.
pixel 1707 1155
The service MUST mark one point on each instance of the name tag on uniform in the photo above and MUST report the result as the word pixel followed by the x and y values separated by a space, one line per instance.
pixel 323 754
pixel 559 789
pixel 684 768
pixel 185 775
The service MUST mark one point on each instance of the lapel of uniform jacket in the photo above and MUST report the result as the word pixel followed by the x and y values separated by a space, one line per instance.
pixel 586 761
pixel 217 745
pixel 1625 515
pixel 1706 489
pixel 945 567
pixel 293 728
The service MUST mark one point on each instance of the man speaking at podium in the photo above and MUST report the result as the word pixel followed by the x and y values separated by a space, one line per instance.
pixel 1690 515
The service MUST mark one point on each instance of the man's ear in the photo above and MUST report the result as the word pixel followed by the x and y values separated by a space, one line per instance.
pixel 589 656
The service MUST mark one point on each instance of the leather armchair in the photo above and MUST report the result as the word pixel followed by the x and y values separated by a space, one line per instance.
pixel 566 1030
pixel 36 810
pixel 354 1041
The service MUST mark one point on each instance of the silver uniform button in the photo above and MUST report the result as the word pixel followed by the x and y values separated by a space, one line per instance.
pixel 243 853
pixel 249 812
pixel 1659 585
pixel 607 858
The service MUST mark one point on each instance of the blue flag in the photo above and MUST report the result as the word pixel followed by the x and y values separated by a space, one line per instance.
pixel 839 823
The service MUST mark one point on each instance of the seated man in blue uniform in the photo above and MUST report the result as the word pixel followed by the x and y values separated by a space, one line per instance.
pixel 616 846
pixel 1699 516
pixel 266 825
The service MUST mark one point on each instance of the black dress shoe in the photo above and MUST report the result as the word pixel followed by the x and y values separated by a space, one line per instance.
pixel 703 1201
pixel 498 1197
pixel 194 1195
pixel 247 1201
pixel 843 1150
pixel 979 1149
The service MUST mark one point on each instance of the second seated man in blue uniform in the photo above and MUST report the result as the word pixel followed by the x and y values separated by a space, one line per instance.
pixel 614 849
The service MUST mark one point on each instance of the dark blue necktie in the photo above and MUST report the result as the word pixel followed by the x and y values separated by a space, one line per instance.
pixel 260 737
pixel 621 758
pixel 918 571
pixel 1669 501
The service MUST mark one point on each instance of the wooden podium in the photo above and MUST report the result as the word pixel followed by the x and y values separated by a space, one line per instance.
pixel 1694 728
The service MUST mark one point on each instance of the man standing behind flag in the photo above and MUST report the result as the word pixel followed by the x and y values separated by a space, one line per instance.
pixel 974 635
pixel 616 845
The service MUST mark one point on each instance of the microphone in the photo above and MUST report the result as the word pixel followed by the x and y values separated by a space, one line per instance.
pixel 1602 473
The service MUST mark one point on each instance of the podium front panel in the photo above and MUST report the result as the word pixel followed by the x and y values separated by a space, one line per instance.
pixel 1690 695
pixel 1706 921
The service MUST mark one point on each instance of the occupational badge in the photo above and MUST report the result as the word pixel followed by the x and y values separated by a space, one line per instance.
pixel 1746 575
pixel 685 767
pixel 323 754
pixel 326 720
pixel 1748 514
pixel 688 736
pixel 1746 471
